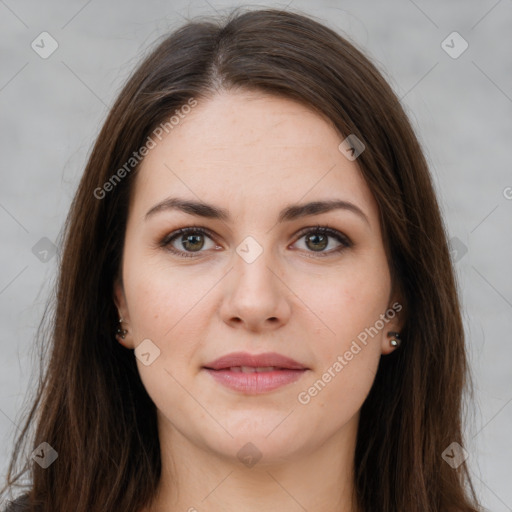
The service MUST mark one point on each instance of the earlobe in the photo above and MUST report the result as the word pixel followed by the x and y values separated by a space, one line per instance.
pixel 121 333
pixel 392 339
pixel 391 342
pixel 395 338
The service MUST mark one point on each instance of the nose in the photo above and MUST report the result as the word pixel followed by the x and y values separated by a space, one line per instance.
pixel 255 295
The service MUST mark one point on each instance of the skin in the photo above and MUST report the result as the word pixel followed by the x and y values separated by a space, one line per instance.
pixel 253 154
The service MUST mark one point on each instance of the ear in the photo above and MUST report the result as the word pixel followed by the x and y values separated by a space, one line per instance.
pixel 395 315
pixel 122 310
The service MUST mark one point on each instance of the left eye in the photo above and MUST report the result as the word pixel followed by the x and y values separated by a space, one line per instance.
pixel 192 240
pixel 318 239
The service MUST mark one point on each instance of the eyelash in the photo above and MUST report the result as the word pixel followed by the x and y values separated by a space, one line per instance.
pixel 166 241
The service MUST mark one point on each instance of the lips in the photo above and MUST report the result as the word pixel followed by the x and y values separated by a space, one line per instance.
pixel 254 374
pixel 249 363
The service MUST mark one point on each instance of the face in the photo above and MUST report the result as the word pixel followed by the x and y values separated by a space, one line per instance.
pixel 253 280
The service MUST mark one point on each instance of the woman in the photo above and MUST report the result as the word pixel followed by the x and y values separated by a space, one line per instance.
pixel 256 305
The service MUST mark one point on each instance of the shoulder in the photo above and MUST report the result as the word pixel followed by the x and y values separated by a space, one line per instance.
pixel 20 504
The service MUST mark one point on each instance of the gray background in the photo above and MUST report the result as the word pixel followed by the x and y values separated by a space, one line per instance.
pixel 52 109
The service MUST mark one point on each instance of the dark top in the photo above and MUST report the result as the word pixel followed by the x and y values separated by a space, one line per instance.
pixel 20 504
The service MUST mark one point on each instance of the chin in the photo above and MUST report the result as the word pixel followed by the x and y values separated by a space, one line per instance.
pixel 259 445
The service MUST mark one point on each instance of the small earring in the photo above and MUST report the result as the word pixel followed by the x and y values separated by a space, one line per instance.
pixel 395 342
pixel 121 332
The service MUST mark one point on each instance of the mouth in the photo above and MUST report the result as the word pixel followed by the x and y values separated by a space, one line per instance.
pixel 251 369
pixel 254 374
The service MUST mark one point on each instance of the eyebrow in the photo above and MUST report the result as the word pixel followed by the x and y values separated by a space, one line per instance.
pixel 289 213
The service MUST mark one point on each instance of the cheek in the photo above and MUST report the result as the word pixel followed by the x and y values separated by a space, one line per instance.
pixel 336 396
pixel 347 353
pixel 347 305
pixel 342 377
pixel 162 297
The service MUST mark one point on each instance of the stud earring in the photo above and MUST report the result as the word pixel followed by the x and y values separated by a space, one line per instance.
pixel 395 341
pixel 121 332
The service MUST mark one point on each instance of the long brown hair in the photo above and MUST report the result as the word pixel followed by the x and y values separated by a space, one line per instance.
pixel 91 406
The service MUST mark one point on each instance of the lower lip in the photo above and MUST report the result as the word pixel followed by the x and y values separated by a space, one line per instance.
pixel 254 383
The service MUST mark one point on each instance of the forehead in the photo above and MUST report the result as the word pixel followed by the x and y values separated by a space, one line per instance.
pixel 248 148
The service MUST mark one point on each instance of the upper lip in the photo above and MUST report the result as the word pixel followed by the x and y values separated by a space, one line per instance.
pixel 254 360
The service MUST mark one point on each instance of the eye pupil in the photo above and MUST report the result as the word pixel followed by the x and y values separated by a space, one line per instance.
pixel 315 238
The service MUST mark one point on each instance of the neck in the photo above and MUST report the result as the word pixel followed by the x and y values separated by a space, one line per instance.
pixel 195 479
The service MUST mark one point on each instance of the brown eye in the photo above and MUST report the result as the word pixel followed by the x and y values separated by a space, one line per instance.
pixel 192 242
pixel 318 239
pixel 184 242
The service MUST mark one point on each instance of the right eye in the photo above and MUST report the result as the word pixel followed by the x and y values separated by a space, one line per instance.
pixel 190 238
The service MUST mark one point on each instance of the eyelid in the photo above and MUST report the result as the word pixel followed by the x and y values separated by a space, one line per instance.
pixel 326 229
